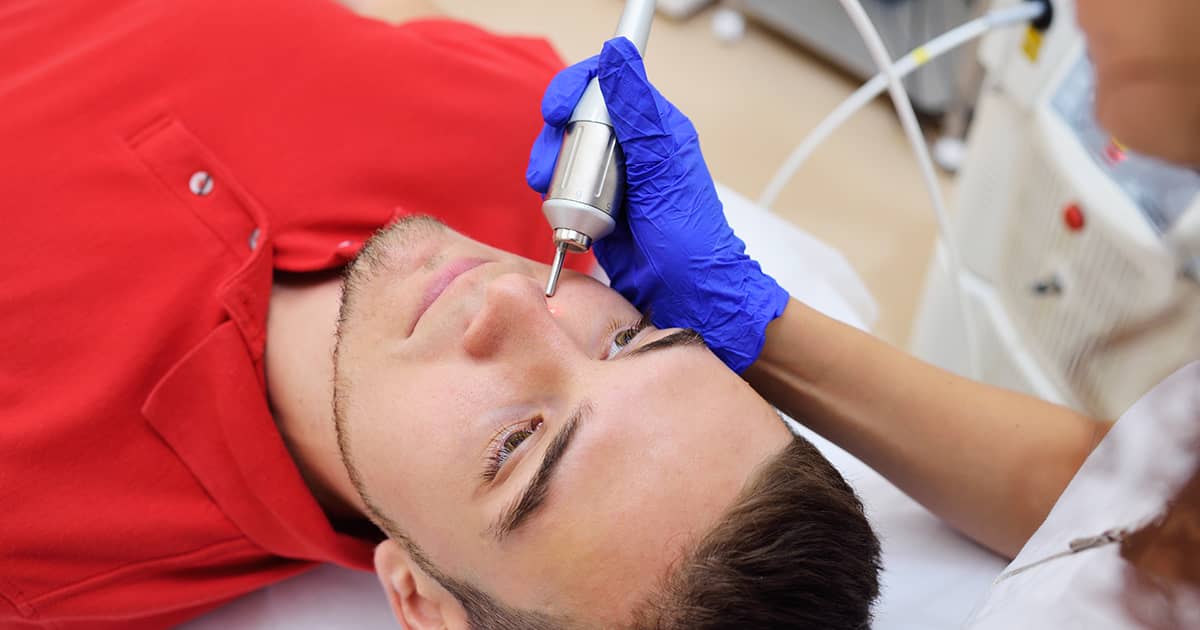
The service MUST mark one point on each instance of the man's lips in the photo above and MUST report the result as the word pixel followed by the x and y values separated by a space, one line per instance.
pixel 442 279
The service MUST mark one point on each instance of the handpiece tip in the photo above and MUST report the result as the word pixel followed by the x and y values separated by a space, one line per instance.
pixel 560 256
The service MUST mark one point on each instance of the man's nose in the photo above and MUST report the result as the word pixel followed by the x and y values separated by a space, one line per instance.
pixel 514 317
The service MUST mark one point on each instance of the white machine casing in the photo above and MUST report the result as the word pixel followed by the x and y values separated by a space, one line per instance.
pixel 1090 316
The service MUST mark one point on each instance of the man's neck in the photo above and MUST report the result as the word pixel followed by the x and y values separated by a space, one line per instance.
pixel 299 369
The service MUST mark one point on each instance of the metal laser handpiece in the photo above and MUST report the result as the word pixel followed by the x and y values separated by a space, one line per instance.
pixel 589 177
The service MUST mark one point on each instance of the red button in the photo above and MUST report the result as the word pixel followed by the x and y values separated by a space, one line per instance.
pixel 1114 155
pixel 1073 217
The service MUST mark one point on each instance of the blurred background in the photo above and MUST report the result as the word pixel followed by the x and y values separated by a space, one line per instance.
pixel 754 92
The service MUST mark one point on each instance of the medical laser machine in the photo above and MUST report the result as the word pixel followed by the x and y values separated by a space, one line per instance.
pixel 589 178
pixel 1080 259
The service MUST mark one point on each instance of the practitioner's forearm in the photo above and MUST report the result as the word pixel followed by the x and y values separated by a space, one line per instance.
pixel 989 461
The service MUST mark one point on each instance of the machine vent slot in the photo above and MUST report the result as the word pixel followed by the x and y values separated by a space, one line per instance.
pixel 1105 326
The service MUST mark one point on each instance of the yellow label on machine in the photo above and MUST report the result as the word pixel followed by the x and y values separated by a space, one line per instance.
pixel 921 56
pixel 1032 46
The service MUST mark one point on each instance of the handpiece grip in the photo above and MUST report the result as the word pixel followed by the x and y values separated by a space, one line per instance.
pixel 635 26
pixel 589 177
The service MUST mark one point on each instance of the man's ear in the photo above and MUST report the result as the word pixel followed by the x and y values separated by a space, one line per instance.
pixel 417 600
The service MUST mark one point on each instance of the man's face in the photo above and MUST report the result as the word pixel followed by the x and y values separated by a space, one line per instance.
pixel 1147 57
pixel 462 380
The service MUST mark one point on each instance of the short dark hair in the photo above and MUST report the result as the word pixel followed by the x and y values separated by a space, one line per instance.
pixel 794 550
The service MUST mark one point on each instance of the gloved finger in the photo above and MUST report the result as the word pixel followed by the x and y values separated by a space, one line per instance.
pixel 542 158
pixel 565 90
pixel 639 113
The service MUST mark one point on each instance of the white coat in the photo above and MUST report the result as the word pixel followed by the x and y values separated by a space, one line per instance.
pixel 1071 574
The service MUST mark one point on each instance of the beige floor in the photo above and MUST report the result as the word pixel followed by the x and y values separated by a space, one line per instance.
pixel 752 102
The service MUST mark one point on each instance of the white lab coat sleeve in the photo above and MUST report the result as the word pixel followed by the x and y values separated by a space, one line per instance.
pixel 1145 460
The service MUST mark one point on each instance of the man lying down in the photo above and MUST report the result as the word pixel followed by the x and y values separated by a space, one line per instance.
pixel 559 462
pixel 168 442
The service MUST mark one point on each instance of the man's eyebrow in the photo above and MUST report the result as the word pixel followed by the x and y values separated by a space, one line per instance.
pixel 534 495
pixel 685 337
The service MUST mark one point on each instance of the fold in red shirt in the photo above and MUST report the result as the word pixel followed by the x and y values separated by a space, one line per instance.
pixel 158 162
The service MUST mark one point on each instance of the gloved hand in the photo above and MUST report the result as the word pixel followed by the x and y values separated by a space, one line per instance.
pixel 672 253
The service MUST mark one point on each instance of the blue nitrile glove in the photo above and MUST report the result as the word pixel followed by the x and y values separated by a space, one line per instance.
pixel 672 253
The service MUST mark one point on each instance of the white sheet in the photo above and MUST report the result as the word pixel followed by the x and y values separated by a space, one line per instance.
pixel 932 576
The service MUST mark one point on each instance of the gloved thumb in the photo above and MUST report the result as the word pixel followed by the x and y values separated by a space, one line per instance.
pixel 638 111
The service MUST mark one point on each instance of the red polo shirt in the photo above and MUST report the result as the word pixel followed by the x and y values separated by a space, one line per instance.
pixel 159 160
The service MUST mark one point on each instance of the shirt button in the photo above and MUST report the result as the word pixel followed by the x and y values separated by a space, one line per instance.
pixel 201 183
pixel 253 240
pixel 346 249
